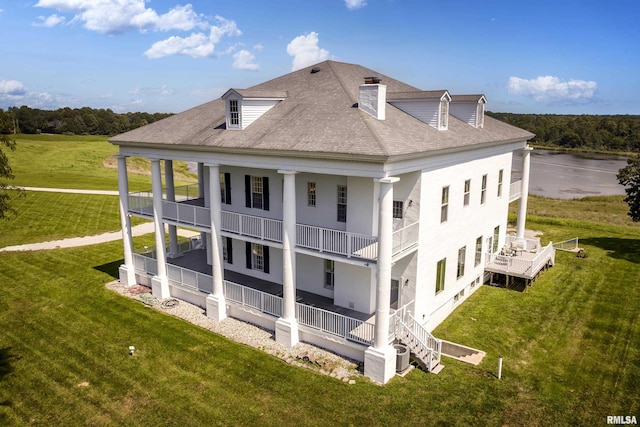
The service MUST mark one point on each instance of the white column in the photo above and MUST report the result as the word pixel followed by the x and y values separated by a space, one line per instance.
pixel 380 359
pixel 127 271
pixel 174 250
pixel 205 238
pixel 201 193
pixel 287 325
pixel 524 192
pixel 216 305
pixel 159 282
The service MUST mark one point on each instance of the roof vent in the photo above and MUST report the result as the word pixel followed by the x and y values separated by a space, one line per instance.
pixel 315 70
pixel 372 80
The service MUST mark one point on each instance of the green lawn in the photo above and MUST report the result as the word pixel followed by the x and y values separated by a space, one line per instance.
pixel 571 348
pixel 84 162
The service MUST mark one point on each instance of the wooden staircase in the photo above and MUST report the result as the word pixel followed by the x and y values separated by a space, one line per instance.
pixel 425 348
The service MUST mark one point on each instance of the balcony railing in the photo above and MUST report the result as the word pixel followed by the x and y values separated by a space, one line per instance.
pixel 338 242
pixel 325 321
pixel 515 190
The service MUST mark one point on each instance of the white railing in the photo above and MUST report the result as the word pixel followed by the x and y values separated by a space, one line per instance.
pixel 186 192
pixel 511 264
pixel 405 238
pixel 336 242
pixel 141 203
pixel 335 323
pixel 253 298
pixel 186 214
pixel 567 245
pixel 548 253
pixel 145 263
pixel 522 243
pixel 252 226
pixel 424 345
pixel 515 190
pixel 189 279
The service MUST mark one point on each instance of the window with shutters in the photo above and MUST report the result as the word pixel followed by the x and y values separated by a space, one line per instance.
pixel 256 190
pixel 257 257
pixel 225 188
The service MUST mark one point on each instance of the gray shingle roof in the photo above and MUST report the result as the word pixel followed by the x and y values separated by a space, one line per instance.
pixel 466 98
pixel 319 117
pixel 416 94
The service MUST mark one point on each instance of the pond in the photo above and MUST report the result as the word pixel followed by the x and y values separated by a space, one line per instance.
pixel 571 175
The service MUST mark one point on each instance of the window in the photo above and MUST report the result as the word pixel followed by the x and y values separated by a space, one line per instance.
pixel 440 272
pixel 342 203
pixel 483 191
pixel 256 189
pixel 462 252
pixel 257 257
pixel 234 113
pixel 500 175
pixel 398 209
pixel 444 115
pixel 311 193
pixel 444 210
pixel 329 274
pixel 467 191
pixel 496 234
pixel 227 250
pixel 225 188
pixel 478 251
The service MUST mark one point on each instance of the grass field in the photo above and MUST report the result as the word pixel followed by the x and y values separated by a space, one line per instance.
pixel 571 348
pixel 65 161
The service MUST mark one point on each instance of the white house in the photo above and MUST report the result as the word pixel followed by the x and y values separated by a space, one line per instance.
pixel 336 205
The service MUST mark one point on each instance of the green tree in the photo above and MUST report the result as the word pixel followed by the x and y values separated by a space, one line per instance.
pixel 5 173
pixel 629 176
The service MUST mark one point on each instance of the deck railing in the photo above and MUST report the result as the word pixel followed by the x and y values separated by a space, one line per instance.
pixel 518 265
pixel 186 214
pixel 522 243
pixel 252 226
pixel 515 190
pixel 324 320
pixel 405 238
pixel 337 242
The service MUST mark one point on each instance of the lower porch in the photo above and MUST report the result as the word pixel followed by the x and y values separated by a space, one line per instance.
pixel 520 258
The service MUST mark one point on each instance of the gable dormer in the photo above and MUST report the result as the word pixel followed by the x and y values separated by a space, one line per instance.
pixel 244 106
pixel 430 107
pixel 469 109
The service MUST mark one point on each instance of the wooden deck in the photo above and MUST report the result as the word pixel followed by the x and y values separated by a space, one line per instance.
pixel 520 264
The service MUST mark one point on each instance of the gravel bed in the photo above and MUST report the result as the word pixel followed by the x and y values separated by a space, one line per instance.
pixel 302 354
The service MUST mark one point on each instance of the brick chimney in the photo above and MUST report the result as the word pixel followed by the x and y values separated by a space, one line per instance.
pixel 373 97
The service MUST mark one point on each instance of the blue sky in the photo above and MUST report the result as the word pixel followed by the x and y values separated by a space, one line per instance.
pixel 560 56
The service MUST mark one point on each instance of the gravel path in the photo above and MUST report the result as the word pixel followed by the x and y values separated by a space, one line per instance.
pixel 302 354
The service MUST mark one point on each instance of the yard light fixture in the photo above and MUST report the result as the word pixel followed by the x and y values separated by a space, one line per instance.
pixel 131 350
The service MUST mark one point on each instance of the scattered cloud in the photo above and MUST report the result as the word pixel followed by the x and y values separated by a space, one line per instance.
pixel 11 89
pixel 49 21
pixel 553 90
pixel 197 45
pixel 163 90
pixel 355 4
pixel 244 60
pixel 119 16
pixel 258 47
pixel 305 51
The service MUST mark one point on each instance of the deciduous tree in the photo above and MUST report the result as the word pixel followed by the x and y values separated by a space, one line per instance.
pixel 5 174
pixel 629 176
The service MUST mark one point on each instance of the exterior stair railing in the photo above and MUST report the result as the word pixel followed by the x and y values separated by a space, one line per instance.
pixel 426 348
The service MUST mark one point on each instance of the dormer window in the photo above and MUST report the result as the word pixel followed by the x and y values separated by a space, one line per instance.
pixel 234 113
pixel 469 109
pixel 245 106
pixel 430 107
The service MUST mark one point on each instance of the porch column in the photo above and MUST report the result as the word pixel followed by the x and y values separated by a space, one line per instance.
pixel 206 196
pixel 216 305
pixel 287 325
pixel 380 359
pixel 127 271
pixel 159 282
pixel 524 192
pixel 174 250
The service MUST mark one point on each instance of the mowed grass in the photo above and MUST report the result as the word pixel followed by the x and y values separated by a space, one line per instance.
pixel 570 343
pixel 83 162
pixel 43 216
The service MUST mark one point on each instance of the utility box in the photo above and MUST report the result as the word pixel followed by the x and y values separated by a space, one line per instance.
pixel 402 357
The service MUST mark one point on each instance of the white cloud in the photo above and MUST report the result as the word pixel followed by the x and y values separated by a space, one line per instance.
pixel 552 90
pixel 118 16
pixel 244 60
pixel 11 89
pixel 163 90
pixel 305 51
pixel 197 45
pixel 258 47
pixel 49 21
pixel 355 4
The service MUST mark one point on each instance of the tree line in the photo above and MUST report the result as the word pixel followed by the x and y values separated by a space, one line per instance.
pixel 619 133
pixel 76 121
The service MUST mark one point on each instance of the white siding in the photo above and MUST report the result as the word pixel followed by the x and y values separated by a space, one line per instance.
pixel 362 201
pixel 464 225
pixel 355 287
pixel 465 111
pixel 253 109
pixel 424 111
pixel 325 213
pixel 310 275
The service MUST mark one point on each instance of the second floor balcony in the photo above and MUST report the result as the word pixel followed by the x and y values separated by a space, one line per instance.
pixel 188 210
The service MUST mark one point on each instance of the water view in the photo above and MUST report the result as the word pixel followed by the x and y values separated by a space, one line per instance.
pixel 572 175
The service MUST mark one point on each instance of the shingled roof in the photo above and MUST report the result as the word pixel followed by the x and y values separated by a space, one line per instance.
pixel 319 117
